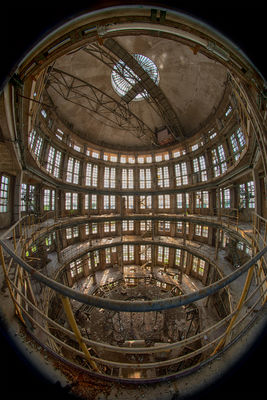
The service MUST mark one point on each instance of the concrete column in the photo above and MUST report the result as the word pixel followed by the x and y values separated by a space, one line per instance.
pixel 184 233
pixel 265 187
pixel 258 202
pixel 82 172
pixel 209 165
pixel 172 228
pixel 171 257
pixel 212 201
pixel 217 244
pixel 44 153
pixel 191 231
pixel 153 258
pixel 82 204
pixel 93 268
pixel 234 196
pixel 61 203
pixel 189 261
pixel 228 154
pixel 64 166
pixel 101 169
pixel 102 258
pixel 191 203
pixel 85 266
pixel 219 123
pixel 16 193
pixel 189 170
pixel 59 244
pixel 184 202
pixel 153 177
pixel 218 202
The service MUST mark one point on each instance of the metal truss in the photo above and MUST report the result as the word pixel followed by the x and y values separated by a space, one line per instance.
pixel 109 59
pixel 102 106
pixel 157 98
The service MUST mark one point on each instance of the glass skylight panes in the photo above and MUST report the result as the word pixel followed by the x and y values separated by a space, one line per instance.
pixel 229 109
pixel 123 79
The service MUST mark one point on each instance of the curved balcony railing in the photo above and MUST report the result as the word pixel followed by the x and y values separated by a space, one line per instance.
pixel 148 363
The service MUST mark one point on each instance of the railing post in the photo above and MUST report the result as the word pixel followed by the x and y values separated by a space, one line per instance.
pixel 238 308
pixel 17 309
pixel 74 327
pixel 14 240
pixel 20 230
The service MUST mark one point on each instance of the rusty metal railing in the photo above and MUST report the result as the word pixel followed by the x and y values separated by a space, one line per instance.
pixel 20 276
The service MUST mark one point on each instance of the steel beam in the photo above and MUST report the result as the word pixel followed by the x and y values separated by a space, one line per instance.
pixel 74 327
pixel 86 95
pixel 165 108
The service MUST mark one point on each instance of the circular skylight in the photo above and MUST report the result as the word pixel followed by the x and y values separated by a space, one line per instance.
pixel 124 79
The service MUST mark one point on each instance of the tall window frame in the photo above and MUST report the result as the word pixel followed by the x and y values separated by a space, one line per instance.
pixel 181 174
pixel 164 201
pixel 163 177
pixel 109 177
pixel 127 181
pixel 71 201
pixel 73 170
pixel 145 178
pixel 53 161
pixel 4 193
pixel 91 175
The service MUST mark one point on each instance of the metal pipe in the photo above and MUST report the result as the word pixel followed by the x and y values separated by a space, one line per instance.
pixel 238 308
pixel 74 327
pixel 17 310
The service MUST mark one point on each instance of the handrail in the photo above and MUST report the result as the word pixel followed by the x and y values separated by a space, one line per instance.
pixel 31 311
pixel 6 233
pixel 136 306
pixel 259 216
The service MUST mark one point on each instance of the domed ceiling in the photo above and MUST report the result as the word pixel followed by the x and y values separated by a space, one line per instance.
pixel 189 89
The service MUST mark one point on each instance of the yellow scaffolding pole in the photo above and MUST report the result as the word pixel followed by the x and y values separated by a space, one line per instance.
pixel 237 311
pixel 17 309
pixel 74 327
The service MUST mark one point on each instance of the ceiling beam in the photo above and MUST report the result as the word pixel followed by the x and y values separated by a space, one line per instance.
pixel 112 112
pixel 165 108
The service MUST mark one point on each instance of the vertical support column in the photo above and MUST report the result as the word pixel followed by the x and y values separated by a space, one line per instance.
pixel 212 202
pixel 153 258
pixel 228 154
pixel 191 203
pixel 44 153
pixel 61 203
pixel 238 308
pixel 208 165
pixel 93 267
pixel 82 203
pixel 172 185
pixel 218 203
pixel 74 327
pixel 82 172
pixel 64 166
pixel 258 191
pixel 58 245
pixel 17 189
pixel 234 196
pixel 217 244
pixel 189 261
pixel 120 257
pixel 189 172
pixel 184 203
pixel 17 309
pixel 184 233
